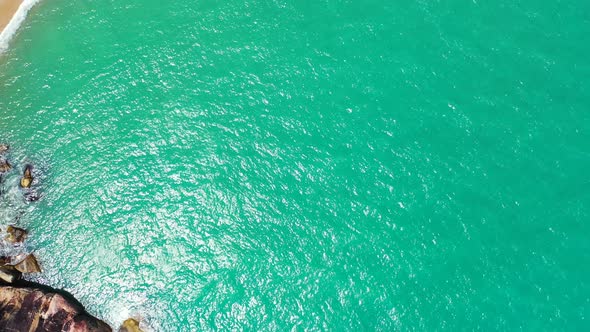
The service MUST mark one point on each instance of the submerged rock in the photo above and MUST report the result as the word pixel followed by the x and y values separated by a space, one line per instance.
pixel 15 234
pixel 32 309
pixel 28 265
pixel 130 325
pixel 32 196
pixel 4 166
pixel 27 178
pixel 4 148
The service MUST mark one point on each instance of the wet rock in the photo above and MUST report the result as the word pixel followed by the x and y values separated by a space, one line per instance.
pixel 9 274
pixel 28 265
pixel 4 148
pixel 32 309
pixel 4 166
pixel 27 178
pixel 15 234
pixel 130 325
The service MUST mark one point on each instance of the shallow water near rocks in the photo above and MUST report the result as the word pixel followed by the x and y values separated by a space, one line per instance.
pixel 336 165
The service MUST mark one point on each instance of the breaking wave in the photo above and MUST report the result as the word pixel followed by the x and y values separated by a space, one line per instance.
pixel 16 21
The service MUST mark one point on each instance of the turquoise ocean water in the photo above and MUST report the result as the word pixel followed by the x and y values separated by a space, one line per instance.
pixel 306 165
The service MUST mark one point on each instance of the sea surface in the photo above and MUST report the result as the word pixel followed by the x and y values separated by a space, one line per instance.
pixel 334 165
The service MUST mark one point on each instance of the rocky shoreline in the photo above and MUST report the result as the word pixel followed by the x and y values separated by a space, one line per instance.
pixel 28 306
pixel 35 307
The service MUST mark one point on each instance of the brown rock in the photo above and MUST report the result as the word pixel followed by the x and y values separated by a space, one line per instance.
pixel 3 148
pixel 130 325
pixel 4 260
pixel 28 265
pixel 9 274
pixel 27 178
pixel 26 182
pixel 4 166
pixel 15 234
pixel 32 309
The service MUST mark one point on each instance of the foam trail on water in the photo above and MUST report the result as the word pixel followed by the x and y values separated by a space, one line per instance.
pixel 15 23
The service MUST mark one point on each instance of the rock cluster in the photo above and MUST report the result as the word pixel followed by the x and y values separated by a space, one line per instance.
pixel 32 307
pixel 28 264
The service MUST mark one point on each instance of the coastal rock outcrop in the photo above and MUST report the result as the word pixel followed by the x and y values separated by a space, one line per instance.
pixel 27 178
pixel 34 309
pixel 4 165
pixel 15 234
pixel 28 265
pixel 9 275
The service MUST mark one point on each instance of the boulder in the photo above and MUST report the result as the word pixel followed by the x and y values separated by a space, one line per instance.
pixel 34 309
pixel 27 178
pixel 15 234
pixel 28 265
pixel 130 325
pixel 4 148
pixel 9 275
pixel 4 166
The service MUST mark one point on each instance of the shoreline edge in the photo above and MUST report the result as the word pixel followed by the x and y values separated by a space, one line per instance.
pixel 12 16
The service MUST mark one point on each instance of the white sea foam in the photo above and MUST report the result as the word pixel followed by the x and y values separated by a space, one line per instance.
pixel 16 21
